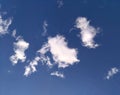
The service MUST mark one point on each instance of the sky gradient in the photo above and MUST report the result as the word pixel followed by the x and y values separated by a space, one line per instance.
pixel 59 47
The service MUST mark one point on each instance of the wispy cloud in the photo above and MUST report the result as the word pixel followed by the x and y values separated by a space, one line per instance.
pixel 60 3
pixel 88 32
pixel 45 59
pixel 19 48
pixel 41 57
pixel 57 74
pixel 31 68
pixel 4 25
pixel 14 33
pixel 61 54
pixel 45 25
pixel 112 72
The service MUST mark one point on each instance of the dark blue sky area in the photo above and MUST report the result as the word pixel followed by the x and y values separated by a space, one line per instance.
pixel 87 77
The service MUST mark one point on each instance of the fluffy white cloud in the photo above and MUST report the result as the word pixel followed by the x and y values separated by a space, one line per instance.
pixel 87 33
pixel 4 25
pixel 45 25
pixel 19 48
pixel 61 54
pixel 57 74
pixel 112 72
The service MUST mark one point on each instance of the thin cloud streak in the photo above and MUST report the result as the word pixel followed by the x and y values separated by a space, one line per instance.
pixel 57 74
pixel 45 25
pixel 4 25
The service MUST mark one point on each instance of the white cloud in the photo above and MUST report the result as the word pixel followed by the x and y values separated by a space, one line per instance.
pixel 45 25
pixel 61 54
pixel 57 74
pixel 60 3
pixel 19 48
pixel 112 72
pixel 31 68
pixel 87 33
pixel 4 25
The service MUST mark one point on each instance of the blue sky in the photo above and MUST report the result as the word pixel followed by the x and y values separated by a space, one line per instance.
pixel 59 47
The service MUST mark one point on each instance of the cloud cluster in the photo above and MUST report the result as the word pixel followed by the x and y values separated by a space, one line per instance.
pixel 61 54
pixel 57 74
pixel 55 52
pixel 4 25
pixel 19 48
pixel 87 33
pixel 112 72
